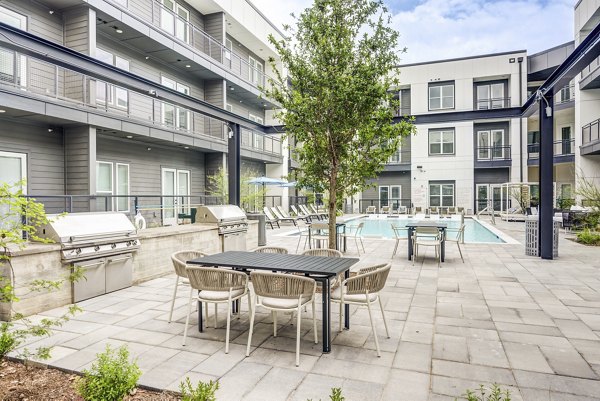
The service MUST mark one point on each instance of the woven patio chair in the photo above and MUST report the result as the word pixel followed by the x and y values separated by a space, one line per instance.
pixel 363 289
pixel 271 249
pixel 179 260
pixel 427 236
pixel 282 292
pixel 216 286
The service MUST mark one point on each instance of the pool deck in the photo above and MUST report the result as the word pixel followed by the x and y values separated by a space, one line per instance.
pixel 531 325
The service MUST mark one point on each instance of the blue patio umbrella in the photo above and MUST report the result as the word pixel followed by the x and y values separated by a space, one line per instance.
pixel 266 181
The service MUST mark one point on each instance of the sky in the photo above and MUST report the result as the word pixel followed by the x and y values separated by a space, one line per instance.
pixel 441 29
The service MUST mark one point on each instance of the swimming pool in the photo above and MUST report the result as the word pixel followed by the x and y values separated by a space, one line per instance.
pixel 381 227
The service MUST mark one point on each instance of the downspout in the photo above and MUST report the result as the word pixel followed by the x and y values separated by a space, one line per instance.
pixel 520 60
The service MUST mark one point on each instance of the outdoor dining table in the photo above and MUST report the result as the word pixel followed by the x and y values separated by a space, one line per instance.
pixel 340 232
pixel 411 225
pixel 322 269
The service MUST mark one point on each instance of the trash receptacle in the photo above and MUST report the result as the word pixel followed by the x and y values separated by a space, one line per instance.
pixel 532 236
pixel 262 227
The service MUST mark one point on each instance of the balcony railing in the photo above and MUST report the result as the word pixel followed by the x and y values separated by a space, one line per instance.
pixel 590 132
pixel 195 39
pixel 566 94
pixel 400 157
pixel 593 66
pixel 402 111
pixel 493 103
pixel 493 153
pixel 29 75
pixel 562 147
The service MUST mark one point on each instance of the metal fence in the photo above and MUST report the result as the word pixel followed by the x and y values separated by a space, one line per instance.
pixel 491 153
pixel 563 147
pixel 378 203
pixel 29 75
pixel 590 132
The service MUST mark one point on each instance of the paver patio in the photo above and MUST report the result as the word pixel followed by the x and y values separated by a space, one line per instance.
pixel 503 317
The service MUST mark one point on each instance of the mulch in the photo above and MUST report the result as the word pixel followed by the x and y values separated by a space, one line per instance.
pixel 19 382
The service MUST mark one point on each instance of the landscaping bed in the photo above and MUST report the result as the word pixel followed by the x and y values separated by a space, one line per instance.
pixel 19 382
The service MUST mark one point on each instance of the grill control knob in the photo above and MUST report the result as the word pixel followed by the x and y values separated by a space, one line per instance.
pixel 78 251
pixel 113 246
pixel 96 248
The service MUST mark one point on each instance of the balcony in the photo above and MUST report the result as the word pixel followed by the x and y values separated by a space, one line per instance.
pixel 590 138
pixel 195 39
pixel 493 156
pixel 590 76
pixel 564 152
pixel 112 107
pixel 565 95
pixel 399 161
pixel 493 103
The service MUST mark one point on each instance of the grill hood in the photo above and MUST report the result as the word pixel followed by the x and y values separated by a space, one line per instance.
pixel 80 228
pixel 220 214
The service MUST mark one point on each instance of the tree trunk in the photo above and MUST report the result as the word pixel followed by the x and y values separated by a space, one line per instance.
pixel 332 210
pixel 5 279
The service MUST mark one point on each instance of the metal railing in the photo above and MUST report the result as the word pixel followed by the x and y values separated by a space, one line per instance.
pixel 492 153
pixel 565 95
pixel 492 103
pixel 197 40
pixel 591 67
pixel 402 111
pixel 29 75
pixel 562 147
pixel 590 132
pixel 400 157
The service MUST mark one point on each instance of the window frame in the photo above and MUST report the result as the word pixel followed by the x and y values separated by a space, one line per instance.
pixel 23 158
pixel 181 88
pixel 116 187
pixel 255 74
pixel 256 118
pixel 174 15
pixel 441 86
pixel 441 196
pixel 115 93
pixel 491 102
pixel 441 131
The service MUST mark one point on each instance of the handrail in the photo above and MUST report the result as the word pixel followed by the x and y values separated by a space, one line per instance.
pixel 493 153
pixel 492 103
pixel 489 209
pixel 562 147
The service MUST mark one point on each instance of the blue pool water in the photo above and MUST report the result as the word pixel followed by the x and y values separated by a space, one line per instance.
pixel 381 227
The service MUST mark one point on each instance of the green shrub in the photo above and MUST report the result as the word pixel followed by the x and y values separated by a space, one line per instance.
pixel 495 394
pixel 111 378
pixel 336 395
pixel 588 237
pixel 202 392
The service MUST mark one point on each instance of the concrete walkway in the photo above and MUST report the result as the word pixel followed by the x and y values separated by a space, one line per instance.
pixel 531 325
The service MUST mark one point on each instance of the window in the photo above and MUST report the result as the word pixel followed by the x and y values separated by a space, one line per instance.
pixel 112 179
pixel 441 194
pixel 117 96
pixel 441 96
pixel 174 116
pixel 441 142
pixel 396 157
pixel 13 168
pixel 13 69
pixel 174 19
pixel 565 145
pixel 256 119
pixel 256 71
pixel 566 191
pixel 228 50
pixel 490 145
pixel 259 140
pixel 490 96
pixel 566 94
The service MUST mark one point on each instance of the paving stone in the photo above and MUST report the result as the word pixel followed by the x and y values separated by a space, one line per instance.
pixel 487 353
pixel 575 329
pixel 526 357
pixel 528 328
pixel 557 383
pixel 142 336
pixel 165 373
pixel 406 386
pixel 315 387
pixel 413 357
pixel 524 338
pixel 219 363
pixel 351 370
pixel 568 362
pixel 277 384
pixel 418 333
pixel 241 380
pixel 450 348
pixel 472 372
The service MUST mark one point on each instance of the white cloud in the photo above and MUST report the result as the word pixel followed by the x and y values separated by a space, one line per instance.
pixel 439 29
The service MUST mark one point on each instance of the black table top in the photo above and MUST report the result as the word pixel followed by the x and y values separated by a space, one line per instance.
pixel 318 265
pixel 426 223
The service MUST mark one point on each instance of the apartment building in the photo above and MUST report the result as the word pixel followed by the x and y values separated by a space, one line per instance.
pixel 587 98
pixel 70 133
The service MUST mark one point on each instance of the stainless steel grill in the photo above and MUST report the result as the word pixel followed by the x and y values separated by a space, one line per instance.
pixel 231 223
pixel 101 244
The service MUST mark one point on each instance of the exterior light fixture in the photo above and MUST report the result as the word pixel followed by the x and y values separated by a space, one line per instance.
pixel 129 136
pixel 2 111
pixel 186 147
pixel 117 29
pixel 50 12
pixel 147 57
pixel 148 148
pixel 511 60
pixel 187 66
pixel 231 88
pixel 50 130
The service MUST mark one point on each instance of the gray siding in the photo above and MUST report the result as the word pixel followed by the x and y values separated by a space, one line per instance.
pixel 243 109
pixel 491 175
pixel 244 53
pixel 214 92
pixel 253 168
pixel 80 151
pixel 79 30
pixel 145 166
pixel 214 27
pixel 39 21
pixel 401 178
pixel 45 159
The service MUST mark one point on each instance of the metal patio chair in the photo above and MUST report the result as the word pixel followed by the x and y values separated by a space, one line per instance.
pixel 398 237
pixel 216 285
pixel 459 238
pixel 280 292
pixel 363 289
pixel 427 236
pixel 356 233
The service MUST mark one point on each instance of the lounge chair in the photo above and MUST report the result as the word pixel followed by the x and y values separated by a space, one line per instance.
pixel 371 210
pixel 287 215
pixel 401 210
pixel 452 210
pixel 434 210
pixel 270 218
pixel 300 215
pixel 314 209
pixel 281 217
pixel 384 210
pixel 309 213
pixel 418 209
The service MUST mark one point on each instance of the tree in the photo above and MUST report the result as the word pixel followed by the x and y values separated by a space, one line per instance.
pixel 251 196
pixel 336 101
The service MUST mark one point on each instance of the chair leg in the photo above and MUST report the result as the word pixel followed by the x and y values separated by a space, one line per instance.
pixel 314 321
pixel 187 319
pixel 357 247
pixel 298 246
pixel 373 327
pixel 206 313
pixel 363 244
pixel 251 330
pixel 228 326
pixel 460 252
pixel 341 313
pixel 298 320
pixel 395 249
pixel 215 316
pixel 274 314
pixel 387 332
pixel 173 300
